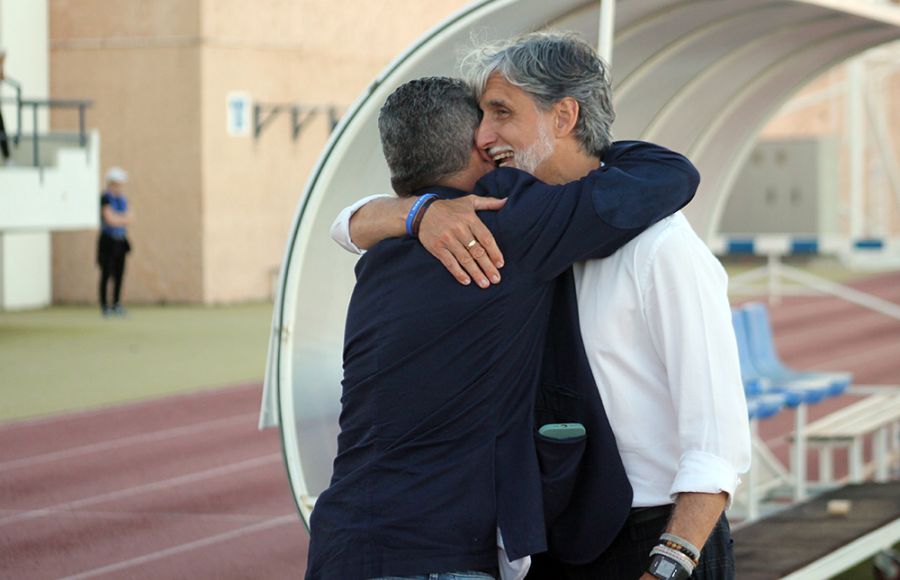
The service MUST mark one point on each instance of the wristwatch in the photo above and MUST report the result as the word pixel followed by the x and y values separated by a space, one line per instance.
pixel 666 568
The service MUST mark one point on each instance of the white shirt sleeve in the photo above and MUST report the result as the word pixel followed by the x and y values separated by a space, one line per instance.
pixel 689 317
pixel 340 227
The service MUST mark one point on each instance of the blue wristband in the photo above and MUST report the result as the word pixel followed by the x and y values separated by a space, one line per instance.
pixel 411 216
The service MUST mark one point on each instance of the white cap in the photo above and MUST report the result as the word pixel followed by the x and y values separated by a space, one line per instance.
pixel 116 174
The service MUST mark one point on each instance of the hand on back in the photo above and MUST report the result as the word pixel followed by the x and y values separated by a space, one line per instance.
pixel 452 232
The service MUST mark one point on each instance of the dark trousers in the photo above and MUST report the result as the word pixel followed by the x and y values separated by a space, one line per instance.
pixel 112 267
pixel 628 556
pixel 4 139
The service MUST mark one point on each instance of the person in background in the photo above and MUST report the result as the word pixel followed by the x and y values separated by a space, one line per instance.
pixel 113 245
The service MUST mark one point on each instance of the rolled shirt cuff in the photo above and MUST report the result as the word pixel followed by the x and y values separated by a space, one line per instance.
pixel 702 472
pixel 340 227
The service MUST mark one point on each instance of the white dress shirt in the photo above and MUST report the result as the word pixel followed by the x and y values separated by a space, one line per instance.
pixel 340 227
pixel 656 325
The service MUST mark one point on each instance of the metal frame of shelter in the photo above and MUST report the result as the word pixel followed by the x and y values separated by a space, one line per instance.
pixel 699 76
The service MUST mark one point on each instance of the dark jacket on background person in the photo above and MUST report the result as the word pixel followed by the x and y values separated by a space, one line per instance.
pixel 113 242
pixel 437 444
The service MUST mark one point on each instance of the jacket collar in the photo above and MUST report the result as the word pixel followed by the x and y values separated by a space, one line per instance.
pixel 442 191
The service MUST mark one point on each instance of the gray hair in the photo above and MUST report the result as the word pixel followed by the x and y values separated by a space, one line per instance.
pixel 550 66
pixel 427 131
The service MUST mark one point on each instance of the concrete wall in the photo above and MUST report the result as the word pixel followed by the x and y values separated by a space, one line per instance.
pixel 310 52
pixel 58 196
pixel 139 62
pixel 822 110
pixel 212 210
pixel 24 270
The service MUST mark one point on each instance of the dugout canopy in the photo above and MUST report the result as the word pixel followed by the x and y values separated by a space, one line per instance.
pixel 699 76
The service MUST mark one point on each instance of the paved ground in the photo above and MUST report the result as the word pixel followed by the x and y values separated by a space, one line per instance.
pixel 70 358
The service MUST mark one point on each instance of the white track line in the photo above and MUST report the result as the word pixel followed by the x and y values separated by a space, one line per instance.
pixel 274 522
pixel 126 441
pixel 128 515
pixel 163 484
pixel 125 406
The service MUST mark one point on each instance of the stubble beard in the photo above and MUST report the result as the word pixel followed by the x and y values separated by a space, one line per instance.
pixel 530 159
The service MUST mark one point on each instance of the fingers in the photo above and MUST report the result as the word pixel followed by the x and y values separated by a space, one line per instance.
pixel 483 235
pixel 450 262
pixel 452 232
pixel 465 257
pixel 486 203
pixel 483 259
pixel 487 243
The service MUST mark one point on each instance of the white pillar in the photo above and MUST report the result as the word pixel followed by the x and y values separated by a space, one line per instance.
pixel 799 458
pixel 607 30
pixel 857 133
pixel 25 280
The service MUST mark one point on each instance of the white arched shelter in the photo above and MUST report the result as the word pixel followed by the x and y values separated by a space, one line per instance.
pixel 699 76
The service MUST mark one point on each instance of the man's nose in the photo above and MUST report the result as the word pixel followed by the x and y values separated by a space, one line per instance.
pixel 485 136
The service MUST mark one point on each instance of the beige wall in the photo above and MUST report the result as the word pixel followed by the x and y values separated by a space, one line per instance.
pixel 139 62
pixel 213 211
pixel 820 109
pixel 310 52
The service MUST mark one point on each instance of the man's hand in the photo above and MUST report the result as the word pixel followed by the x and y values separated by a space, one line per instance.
pixel 454 235
pixel 694 517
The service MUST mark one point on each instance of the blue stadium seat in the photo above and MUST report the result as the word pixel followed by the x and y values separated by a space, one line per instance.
pixel 759 346
pixel 767 362
pixel 765 405
pixel 762 402
pixel 755 383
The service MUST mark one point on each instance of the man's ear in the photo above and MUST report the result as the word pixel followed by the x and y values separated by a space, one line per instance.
pixel 567 111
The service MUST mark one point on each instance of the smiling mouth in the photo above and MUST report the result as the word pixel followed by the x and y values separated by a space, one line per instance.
pixel 501 158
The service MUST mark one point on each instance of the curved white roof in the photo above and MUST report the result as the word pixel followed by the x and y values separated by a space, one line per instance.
pixel 699 76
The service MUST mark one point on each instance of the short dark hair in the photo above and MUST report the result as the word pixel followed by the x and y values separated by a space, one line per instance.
pixel 427 131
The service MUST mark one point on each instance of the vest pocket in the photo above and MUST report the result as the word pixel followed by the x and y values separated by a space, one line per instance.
pixel 560 463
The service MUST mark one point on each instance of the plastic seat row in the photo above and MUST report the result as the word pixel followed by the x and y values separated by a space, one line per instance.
pixel 769 384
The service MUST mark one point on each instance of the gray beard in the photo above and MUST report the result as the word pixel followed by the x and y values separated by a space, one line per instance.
pixel 529 159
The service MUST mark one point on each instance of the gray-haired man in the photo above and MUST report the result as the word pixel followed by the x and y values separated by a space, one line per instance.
pixel 654 317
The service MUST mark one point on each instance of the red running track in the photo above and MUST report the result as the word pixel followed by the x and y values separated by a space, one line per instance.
pixel 826 333
pixel 182 487
pixel 186 487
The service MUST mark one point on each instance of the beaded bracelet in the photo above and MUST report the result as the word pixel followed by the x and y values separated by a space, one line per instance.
pixel 414 211
pixel 689 548
pixel 676 556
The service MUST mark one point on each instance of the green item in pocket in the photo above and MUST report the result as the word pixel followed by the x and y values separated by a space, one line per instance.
pixel 562 430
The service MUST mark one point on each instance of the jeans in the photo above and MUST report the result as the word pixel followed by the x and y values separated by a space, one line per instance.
pixel 468 575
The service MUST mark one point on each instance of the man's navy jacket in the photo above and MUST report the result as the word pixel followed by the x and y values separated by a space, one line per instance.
pixel 438 443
